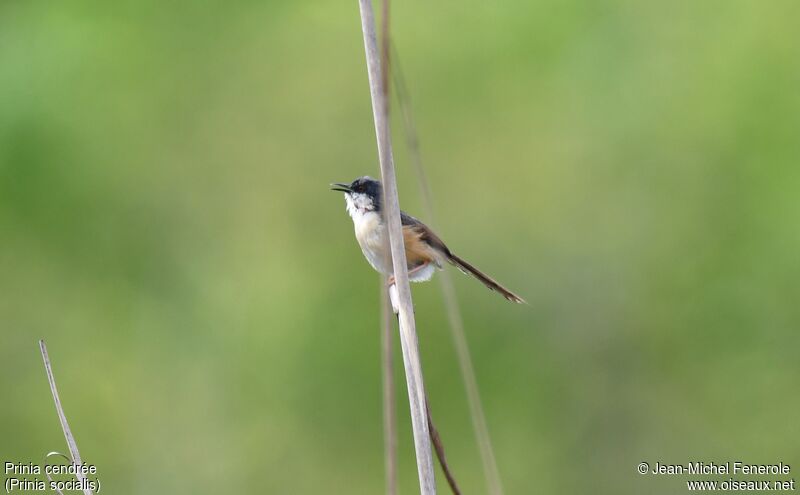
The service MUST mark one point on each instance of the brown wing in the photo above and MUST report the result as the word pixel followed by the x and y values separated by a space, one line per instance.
pixel 424 233
pixel 423 245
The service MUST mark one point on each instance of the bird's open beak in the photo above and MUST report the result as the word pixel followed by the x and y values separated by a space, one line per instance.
pixel 337 186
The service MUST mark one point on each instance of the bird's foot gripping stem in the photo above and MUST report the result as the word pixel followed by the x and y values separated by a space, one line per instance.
pixel 390 282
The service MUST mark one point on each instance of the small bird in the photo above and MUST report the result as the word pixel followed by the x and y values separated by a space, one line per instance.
pixel 425 251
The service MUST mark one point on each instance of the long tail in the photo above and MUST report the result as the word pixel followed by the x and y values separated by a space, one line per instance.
pixel 486 279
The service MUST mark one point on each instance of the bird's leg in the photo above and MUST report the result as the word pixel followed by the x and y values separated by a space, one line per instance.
pixel 391 280
pixel 418 268
pixel 390 283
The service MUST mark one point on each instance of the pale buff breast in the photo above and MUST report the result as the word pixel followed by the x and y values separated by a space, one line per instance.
pixel 371 234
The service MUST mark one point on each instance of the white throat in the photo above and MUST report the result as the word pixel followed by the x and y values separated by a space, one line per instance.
pixel 358 204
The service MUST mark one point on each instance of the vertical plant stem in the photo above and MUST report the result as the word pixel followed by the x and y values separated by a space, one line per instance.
pixel 73 447
pixel 408 332
pixel 389 419
pixel 479 426
pixel 386 66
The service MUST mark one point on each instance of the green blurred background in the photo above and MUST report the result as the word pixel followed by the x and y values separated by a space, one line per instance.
pixel 631 168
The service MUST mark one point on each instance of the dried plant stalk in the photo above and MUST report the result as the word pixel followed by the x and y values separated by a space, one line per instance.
pixel 73 447
pixel 389 419
pixel 408 333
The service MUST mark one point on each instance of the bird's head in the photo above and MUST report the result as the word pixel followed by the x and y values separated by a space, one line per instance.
pixel 362 195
